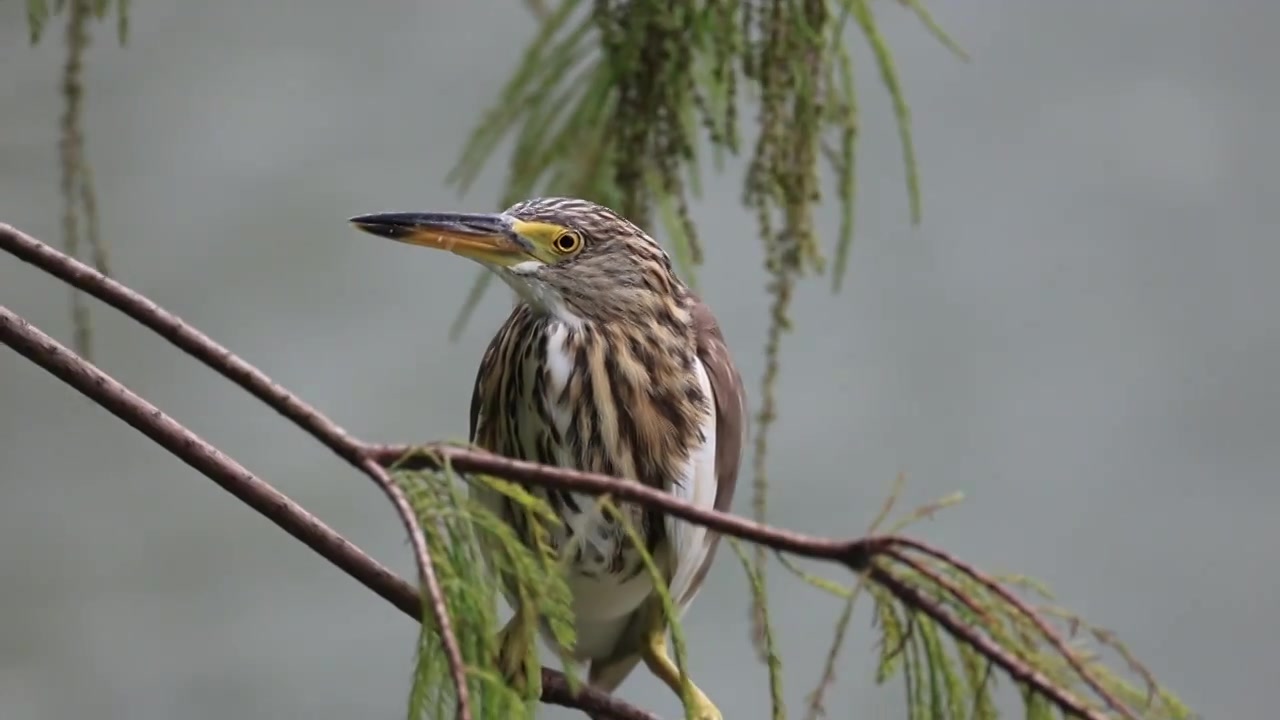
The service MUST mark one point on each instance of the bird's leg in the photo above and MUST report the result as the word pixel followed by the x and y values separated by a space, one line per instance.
pixel 517 656
pixel 660 664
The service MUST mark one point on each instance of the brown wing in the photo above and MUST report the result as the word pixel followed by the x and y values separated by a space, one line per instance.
pixel 732 421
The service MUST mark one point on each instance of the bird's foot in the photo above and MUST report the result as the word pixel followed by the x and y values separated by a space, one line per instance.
pixel 518 657
pixel 698 706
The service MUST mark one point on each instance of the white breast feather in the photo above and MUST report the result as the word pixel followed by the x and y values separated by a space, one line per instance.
pixel 698 486
pixel 559 367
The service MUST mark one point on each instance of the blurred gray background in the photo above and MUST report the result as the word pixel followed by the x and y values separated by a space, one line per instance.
pixel 1081 337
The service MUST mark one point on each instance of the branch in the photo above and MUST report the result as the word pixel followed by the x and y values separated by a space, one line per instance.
pixel 855 554
pixel 860 555
pixel 277 507
pixel 222 360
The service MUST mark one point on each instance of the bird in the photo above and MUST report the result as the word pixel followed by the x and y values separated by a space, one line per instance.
pixel 607 363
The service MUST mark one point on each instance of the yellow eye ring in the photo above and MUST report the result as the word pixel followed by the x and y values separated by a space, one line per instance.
pixel 567 242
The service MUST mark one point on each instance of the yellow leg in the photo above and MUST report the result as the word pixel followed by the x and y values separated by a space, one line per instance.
pixel 517 656
pixel 661 665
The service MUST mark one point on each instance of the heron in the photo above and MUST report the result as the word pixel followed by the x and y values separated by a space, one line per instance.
pixel 608 363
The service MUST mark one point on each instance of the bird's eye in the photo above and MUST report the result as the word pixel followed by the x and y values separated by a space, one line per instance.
pixel 567 242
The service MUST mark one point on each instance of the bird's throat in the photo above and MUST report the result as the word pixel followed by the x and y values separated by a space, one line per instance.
pixel 543 299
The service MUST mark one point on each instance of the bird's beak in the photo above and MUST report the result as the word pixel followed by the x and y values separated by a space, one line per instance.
pixel 486 237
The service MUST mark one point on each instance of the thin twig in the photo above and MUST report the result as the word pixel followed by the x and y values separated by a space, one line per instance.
pixel 51 355
pixel 223 361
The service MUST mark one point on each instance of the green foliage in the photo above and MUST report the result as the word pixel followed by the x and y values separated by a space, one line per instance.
pixel 471 549
pixel 945 679
pixel 613 100
pixel 475 555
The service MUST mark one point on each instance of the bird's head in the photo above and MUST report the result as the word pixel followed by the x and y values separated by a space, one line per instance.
pixel 569 258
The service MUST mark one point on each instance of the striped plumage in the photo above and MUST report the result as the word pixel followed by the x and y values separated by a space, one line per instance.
pixel 607 363
pixel 579 397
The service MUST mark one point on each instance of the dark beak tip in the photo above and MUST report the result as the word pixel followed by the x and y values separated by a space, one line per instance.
pixel 400 225
pixel 379 225
pixel 373 220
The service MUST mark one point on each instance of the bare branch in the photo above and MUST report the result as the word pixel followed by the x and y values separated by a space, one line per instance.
pixel 51 355
pixel 223 361
pixel 193 450
pixel 861 555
